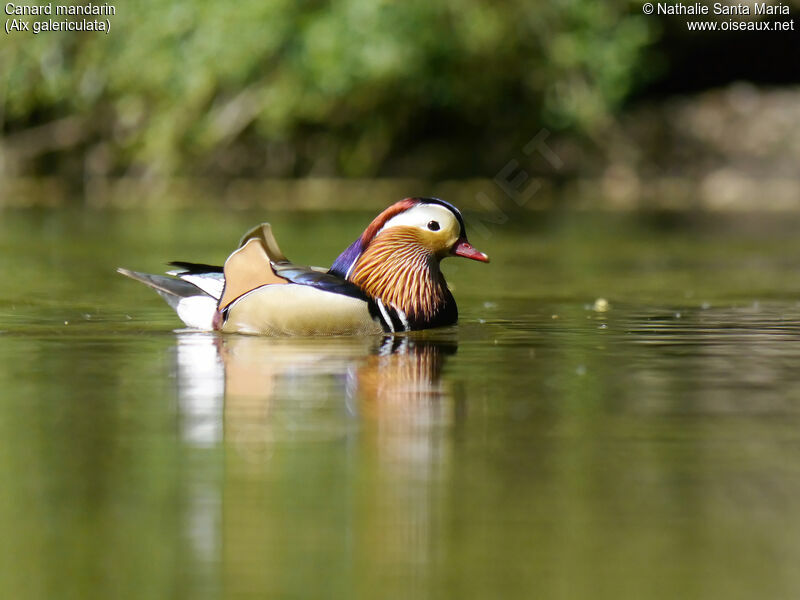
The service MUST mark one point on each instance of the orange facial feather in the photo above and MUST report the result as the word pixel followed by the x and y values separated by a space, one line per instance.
pixel 397 268
pixel 381 220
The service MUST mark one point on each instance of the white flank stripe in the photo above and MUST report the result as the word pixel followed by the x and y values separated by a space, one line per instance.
pixel 403 318
pixel 350 270
pixel 385 315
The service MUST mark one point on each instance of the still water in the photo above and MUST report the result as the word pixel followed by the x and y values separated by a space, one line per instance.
pixel 540 449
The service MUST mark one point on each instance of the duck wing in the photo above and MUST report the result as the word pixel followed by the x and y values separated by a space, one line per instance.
pixel 321 280
pixel 259 261
pixel 195 306
pixel 265 293
pixel 209 278
pixel 259 290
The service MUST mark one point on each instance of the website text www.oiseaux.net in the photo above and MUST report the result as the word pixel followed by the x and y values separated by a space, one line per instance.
pixel 740 17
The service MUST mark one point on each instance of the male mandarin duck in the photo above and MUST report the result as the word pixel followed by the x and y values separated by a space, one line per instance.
pixel 387 281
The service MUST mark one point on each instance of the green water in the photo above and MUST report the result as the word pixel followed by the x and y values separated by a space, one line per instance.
pixel 541 449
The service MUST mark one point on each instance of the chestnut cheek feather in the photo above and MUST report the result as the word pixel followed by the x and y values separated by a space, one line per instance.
pixel 465 249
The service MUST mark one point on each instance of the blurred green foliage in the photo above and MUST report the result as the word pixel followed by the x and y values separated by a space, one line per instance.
pixel 354 88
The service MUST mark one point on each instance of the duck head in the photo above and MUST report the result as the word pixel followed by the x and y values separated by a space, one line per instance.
pixel 396 259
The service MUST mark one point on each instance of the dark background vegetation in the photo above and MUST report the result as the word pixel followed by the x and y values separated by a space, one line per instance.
pixel 422 89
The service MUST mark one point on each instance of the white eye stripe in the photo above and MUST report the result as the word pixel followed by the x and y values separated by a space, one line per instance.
pixel 421 215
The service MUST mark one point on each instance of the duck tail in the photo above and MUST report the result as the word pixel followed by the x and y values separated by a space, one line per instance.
pixel 195 307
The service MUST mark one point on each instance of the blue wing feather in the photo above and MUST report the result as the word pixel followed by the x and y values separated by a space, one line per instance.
pixel 347 259
pixel 328 282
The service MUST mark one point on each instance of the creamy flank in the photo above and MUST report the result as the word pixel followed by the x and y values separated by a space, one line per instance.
pixel 299 310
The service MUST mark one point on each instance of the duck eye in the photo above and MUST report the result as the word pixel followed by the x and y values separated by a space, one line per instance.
pixel 433 225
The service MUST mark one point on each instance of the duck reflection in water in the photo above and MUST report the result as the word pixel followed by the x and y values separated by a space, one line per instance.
pixel 262 388
pixel 349 429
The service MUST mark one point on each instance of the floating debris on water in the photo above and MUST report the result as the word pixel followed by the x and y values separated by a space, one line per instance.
pixel 601 305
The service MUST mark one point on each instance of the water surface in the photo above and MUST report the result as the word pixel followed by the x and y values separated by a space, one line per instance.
pixel 541 448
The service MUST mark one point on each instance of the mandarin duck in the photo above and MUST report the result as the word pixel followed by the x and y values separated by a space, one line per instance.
pixel 386 281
